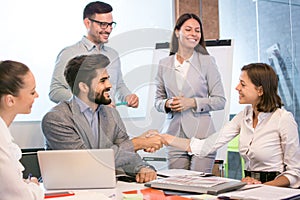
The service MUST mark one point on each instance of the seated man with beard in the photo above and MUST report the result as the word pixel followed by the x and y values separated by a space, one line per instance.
pixel 86 121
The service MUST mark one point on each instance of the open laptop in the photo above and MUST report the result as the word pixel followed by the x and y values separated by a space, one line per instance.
pixel 77 169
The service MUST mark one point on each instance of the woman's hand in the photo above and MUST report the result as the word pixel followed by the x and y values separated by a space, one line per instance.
pixel 250 180
pixel 169 139
pixel 181 143
pixel 32 180
pixel 180 104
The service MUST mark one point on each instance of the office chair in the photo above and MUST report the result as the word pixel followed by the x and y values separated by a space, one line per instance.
pixel 30 162
pixel 218 168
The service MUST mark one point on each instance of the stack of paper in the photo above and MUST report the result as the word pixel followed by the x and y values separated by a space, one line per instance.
pixel 179 172
pixel 264 192
pixel 196 183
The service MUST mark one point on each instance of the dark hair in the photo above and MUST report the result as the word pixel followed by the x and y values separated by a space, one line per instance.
pixel 201 47
pixel 96 7
pixel 83 69
pixel 11 77
pixel 263 75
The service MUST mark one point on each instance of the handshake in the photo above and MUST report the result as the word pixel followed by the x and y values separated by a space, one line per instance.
pixel 151 141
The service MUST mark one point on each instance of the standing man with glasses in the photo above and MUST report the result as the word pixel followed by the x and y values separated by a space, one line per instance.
pixel 98 20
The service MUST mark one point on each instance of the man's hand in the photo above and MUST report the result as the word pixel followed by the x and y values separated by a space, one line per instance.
pixel 145 174
pixel 132 100
pixel 150 141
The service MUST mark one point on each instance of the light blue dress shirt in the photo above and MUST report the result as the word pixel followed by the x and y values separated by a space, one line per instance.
pixel 91 117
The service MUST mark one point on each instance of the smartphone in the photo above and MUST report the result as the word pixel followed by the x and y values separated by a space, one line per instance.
pixel 125 178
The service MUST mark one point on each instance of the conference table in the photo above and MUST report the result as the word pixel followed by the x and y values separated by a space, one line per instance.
pixel 257 192
pixel 101 194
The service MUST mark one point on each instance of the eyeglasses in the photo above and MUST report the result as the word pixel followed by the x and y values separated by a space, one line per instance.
pixel 104 25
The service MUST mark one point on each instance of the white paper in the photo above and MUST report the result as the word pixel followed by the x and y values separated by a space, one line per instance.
pixel 178 172
pixel 263 193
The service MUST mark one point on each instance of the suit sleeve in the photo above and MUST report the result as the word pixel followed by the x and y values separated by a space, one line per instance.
pixel 161 93
pixel 125 156
pixel 216 96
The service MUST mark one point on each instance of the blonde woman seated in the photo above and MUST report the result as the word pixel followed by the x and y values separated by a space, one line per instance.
pixel 17 94
pixel 269 141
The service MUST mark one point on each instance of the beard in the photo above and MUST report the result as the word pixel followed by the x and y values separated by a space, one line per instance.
pixel 99 98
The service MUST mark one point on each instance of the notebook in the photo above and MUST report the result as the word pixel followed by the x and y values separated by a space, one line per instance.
pixel 77 169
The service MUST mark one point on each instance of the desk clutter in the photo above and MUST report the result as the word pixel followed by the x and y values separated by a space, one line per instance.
pixel 197 184
pixel 150 194
pixel 194 182
pixel 130 190
pixel 135 191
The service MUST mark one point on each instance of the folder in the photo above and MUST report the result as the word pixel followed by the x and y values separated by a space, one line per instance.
pixel 197 184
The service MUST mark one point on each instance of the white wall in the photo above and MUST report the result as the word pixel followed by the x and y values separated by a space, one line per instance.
pixel 27 134
pixel 37 30
pixel 33 32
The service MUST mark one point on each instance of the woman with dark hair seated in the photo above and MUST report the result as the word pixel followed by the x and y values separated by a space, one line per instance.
pixel 269 141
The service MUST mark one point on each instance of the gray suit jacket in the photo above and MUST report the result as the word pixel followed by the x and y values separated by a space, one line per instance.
pixel 65 127
pixel 203 83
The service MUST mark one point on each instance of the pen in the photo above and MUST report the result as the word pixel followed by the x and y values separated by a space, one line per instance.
pixel 121 103
pixel 111 196
pixel 58 194
pixel 223 197
pixel 29 176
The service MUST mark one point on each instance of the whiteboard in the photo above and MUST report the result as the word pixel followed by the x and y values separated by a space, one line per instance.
pixel 38 44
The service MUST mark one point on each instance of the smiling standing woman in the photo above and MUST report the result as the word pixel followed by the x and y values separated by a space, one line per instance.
pixel 269 141
pixel 17 94
pixel 189 87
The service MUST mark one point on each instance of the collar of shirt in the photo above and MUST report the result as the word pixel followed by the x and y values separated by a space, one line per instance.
pixel 178 64
pixel 184 67
pixel 84 108
pixel 249 115
pixel 90 45
pixel 91 117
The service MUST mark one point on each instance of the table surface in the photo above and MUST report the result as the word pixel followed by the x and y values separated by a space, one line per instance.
pixel 103 194
pixel 258 192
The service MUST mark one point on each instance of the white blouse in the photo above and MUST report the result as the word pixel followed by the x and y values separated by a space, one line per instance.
pixel 12 185
pixel 181 70
pixel 273 145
